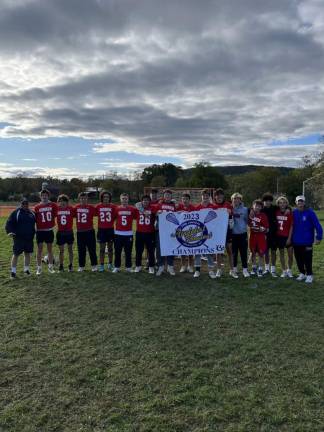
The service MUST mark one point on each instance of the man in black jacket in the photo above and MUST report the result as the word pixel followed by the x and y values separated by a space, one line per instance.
pixel 21 227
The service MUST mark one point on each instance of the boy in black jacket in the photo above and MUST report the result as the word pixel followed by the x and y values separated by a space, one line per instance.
pixel 21 227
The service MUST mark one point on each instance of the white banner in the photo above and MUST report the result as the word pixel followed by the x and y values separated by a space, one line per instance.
pixel 193 233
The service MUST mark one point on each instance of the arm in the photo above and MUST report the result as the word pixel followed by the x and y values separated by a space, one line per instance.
pixel 11 224
pixel 318 227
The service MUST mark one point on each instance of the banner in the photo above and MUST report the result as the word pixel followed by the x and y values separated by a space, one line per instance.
pixel 199 232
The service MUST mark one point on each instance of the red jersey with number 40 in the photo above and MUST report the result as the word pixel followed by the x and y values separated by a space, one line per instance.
pixel 145 221
pixel 284 222
pixel 84 216
pixel 106 215
pixel 124 219
pixel 45 216
pixel 64 218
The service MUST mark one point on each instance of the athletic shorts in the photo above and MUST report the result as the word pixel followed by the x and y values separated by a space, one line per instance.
pixel 64 237
pixel 258 243
pixel 44 236
pixel 105 235
pixel 21 245
pixel 229 236
pixel 271 241
pixel 281 242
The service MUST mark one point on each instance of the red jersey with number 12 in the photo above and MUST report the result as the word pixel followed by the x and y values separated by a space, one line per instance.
pixel 64 218
pixel 106 215
pixel 45 216
pixel 124 219
pixel 84 217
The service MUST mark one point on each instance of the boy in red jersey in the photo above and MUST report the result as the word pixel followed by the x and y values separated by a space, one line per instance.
pixel 154 196
pixel 145 234
pixel 86 238
pixel 259 226
pixel 283 235
pixel 64 235
pixel 186 206
pixel 205 203
pixel 166 204
pixel 219 201
pixel 125 214
pixel 105 234
pixel 45 213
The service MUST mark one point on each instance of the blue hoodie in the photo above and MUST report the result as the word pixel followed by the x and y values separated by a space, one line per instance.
pixel 305 223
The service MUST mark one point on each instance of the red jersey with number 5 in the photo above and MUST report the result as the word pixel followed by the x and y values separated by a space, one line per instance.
pixel 64 218
pixel 124 219
pixel 145 220
pixel 106 215
pixel 84 217
pixel 45 216
pixel 284 222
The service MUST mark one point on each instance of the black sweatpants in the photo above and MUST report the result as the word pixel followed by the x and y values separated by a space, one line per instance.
pixel 304 258
pixel 145 240
pixel 87 240
pixel 123 242
pixel 240 244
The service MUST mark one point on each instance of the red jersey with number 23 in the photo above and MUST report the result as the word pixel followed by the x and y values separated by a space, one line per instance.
pixel 64 218
pixel 45 216
pixel 106 215
pixel 84 217
pixel 124 219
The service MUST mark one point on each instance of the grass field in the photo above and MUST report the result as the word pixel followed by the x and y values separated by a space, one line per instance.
pixel 103 352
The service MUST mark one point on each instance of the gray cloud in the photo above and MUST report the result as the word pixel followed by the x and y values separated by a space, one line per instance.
pixel 207 82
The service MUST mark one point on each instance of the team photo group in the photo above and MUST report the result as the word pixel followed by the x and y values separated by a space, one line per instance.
pixel 267 232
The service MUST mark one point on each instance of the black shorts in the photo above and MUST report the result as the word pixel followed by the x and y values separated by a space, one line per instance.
pixel 105 235
pixel 64 237
pixel 21 245
pixel 281 242
pixel 45 236
pixel 271 241
pixel 229 236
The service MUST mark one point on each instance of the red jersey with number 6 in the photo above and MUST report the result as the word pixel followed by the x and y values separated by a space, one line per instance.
pixel 124 219
pixel 284 222
pixel 145 220
pixel 64 218
pixel 106 215
pixel 45 216
pixel 84 217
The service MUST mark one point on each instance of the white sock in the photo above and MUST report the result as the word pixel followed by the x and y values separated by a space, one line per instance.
pixel 26 268
pixel 273 269
pixel 267 267
pixel 13 269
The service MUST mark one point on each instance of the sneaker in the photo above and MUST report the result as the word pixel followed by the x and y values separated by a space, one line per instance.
pixel 129 269
pixel 190 269
pixel 27 272
pixel 160 270
pixel 253 272
pixel 101 268
pixel 39 271
pixel 284 274
pixel 219 273
pixel 81 269
pixel 246 273
pixel 309 279
pixel 151 270
pixel 171 270
pixel 274 274
pixel 266 272
pixel 301 277
pixel 110 267
pixel 94 268
pixel 13 275
pixel 116 270
pixel 212 274
pixel 138 269
pixel 233 274
pixel 183 269
pixel 289 274
pixel 61 268
pixel 70 268
pixel 196 274
pixel 260 273
pixel 51 269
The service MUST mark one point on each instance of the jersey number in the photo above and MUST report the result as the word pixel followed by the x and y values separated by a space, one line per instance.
pixel 46 216
pixel 144 220
pixel 82 217
pixel 105 217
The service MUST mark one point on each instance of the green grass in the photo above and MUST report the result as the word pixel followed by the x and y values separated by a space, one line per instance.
pixel 103 352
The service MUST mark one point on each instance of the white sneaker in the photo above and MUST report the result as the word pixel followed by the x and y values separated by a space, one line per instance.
pixel 129 269
pixel 289 274
pixel 81 269
pixel 284 274
pixel 151 270
pixel 171 270
pixel 254 271
pixel 116 270
pixel 212 274
pixel 301 277
pixel 274 274
pixel 160 270
pixel 219 273
pixel 309 279
pixel 233 274
pixel 51 269
pixel 39 271
pixel 190 269
pixel 94 268
pixel 246 273
pixel 183 269
pixel 137 269
pixel 196 274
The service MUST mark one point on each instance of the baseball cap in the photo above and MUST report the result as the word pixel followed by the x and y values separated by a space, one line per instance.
pixel 300 198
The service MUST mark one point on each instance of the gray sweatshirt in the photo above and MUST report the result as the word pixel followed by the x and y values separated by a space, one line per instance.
pixel 240 218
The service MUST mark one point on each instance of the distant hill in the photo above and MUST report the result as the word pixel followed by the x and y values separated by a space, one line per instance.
pixel 242 169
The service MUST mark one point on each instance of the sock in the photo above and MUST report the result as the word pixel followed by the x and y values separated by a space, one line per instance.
pixel 26 268
pixel 267 267
pixel 273 269
pixel 13 269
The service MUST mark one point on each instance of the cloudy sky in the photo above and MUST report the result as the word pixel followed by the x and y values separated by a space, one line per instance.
pixel 94 86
